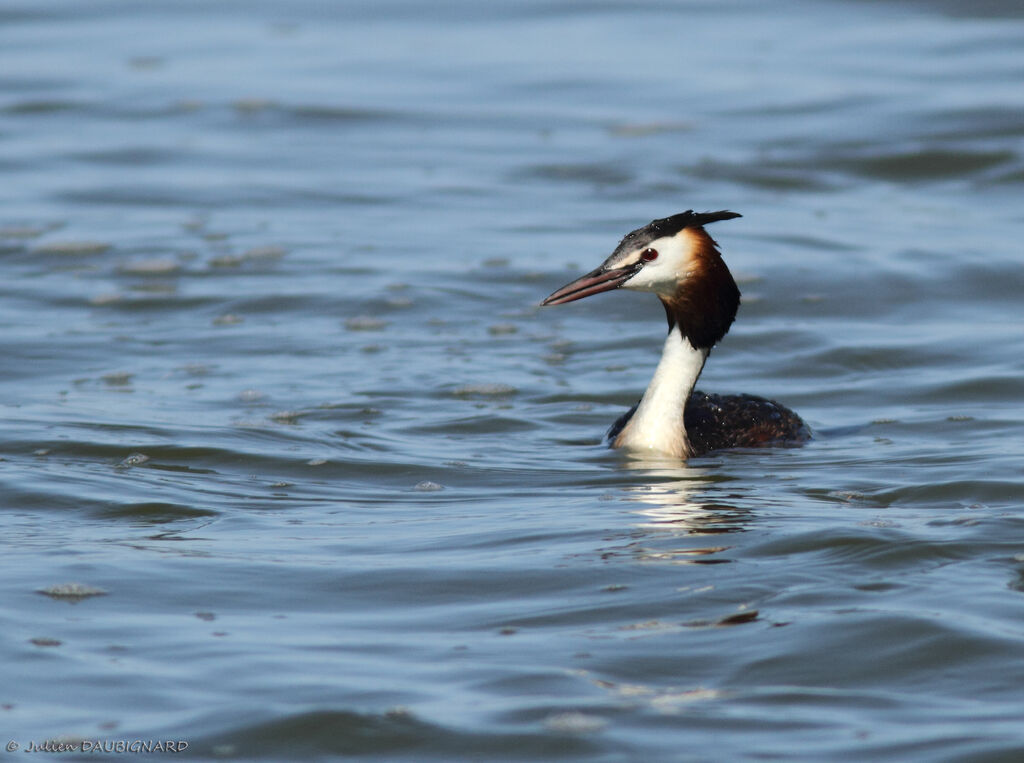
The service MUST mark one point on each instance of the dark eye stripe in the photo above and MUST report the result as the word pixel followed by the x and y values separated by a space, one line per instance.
pixel 647 255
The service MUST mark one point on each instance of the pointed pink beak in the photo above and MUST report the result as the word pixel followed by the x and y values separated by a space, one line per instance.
pixel 593 282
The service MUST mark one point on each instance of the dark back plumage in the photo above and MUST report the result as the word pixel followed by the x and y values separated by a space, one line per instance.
pixel 721 422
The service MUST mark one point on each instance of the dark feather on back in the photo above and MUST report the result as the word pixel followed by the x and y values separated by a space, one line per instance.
pixel 720 422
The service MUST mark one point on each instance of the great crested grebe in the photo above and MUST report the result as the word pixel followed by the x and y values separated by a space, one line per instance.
pixel 677 260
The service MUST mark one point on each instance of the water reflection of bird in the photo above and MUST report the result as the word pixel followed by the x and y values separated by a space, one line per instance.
pixel 682 518
pixel 677 260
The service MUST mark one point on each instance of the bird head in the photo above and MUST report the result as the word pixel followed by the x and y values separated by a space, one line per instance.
pixel 676 259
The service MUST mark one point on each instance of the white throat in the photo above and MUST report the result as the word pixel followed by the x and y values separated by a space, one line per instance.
pixel 657 424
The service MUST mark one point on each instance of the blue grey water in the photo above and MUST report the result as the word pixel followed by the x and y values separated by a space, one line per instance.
pixel 275 382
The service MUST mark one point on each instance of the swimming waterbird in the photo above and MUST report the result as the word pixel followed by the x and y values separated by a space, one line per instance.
pixel 677 260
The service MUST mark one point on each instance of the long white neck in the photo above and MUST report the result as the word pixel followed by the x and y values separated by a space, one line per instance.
pixel 657 424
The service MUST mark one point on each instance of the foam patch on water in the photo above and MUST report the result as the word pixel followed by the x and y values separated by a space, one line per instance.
pixel 135 459
pixel 72 248
pixel 365 323
pixel 157 266
pixel 484 390
pixel 574 723
pixel 71 591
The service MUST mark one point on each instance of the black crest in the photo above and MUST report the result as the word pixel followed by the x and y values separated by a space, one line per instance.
pixel 670 226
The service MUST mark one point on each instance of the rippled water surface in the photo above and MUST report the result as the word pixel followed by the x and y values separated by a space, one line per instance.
pixel 293 467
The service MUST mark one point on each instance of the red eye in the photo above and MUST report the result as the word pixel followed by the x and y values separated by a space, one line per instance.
pixel 647 255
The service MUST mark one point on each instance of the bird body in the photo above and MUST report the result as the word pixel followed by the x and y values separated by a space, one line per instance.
pixel 677 260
